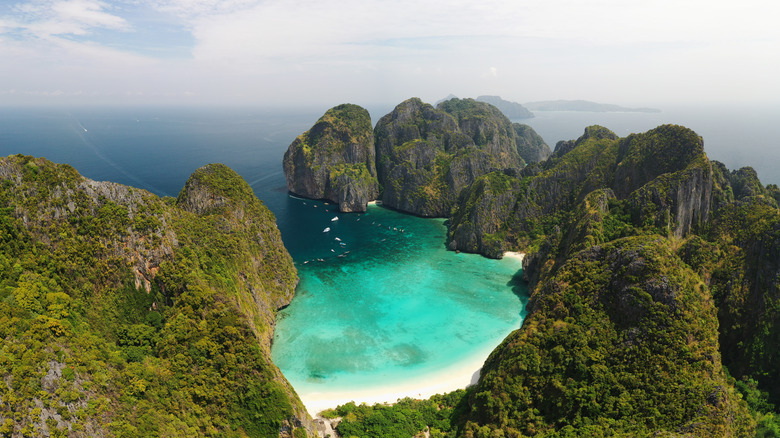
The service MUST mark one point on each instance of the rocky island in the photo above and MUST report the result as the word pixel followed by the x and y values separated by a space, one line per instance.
pixel 653 276
pixel 652 272
pixel 417 159
pixel 584 105
pixel 335 160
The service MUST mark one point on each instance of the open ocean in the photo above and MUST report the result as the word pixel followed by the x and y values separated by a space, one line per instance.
pixel 397 305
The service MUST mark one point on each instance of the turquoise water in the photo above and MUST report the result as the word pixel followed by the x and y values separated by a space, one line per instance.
pixel 396 307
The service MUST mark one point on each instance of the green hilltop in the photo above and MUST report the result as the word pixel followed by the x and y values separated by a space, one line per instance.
pixel 654 275
pixel 654 287
pixel 124 314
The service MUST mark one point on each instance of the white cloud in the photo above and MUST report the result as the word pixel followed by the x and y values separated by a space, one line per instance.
pixel 66 17
pixel 608 50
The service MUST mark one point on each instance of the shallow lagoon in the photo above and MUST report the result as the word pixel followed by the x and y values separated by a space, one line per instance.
pixel 397 309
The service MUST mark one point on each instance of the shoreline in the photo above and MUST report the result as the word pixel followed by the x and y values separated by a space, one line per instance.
pixel 514 255
pixel 458 376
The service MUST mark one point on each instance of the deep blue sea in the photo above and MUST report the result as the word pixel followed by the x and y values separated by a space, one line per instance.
pixel 396 306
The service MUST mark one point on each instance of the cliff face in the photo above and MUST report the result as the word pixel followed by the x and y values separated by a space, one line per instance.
pixel 414 146
pixel 663 176
pixel 426 156
pixel 740 257
pixel 667 177
pixel 530 145
pixel 600 352
pixel 511 110
pixel 488 128
pixel 488 203
pixel 335 159
pixel 561 182
pixel 115 302
pixel 631 241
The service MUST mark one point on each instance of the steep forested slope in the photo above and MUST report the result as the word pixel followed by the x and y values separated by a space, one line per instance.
pixel 123 314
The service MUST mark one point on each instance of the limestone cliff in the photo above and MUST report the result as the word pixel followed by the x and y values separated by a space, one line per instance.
pixel 739 256
pixel 530 145
pixel 511 110
pixel 426 155
pixel 335 159
pixel 121 311
pixel 489 203
pixel 663 175
pixel 600 353
pixel 563 181
pixel 667 178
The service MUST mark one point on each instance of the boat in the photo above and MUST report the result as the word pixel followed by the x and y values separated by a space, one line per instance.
pixel 326 229
pixel 338 240
pixel 335 219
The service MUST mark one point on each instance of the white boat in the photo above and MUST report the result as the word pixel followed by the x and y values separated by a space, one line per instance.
pixel 326 229
pixel 335 219
pixel 338 240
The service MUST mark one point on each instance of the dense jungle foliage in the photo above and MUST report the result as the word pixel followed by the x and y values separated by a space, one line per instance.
pixel 655 303
pixel 123 314
pixel 654 308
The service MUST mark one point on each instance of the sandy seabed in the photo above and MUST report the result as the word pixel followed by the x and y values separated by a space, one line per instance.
pixel 458 375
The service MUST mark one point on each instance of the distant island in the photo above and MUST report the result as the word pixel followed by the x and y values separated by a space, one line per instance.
pixel 653 272
pixel 512 110
pixel 584 105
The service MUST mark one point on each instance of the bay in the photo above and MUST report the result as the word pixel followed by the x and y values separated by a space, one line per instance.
pixel 398 307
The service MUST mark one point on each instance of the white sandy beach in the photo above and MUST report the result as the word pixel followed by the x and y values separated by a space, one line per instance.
pixel 515 255
pixel 456 376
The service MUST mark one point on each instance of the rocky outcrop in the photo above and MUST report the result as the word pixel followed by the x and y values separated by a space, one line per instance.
pixel 488 203
pixel 663 175
pixel 663 150
pixel 512 110
pixel 414 145
pixel 667 178
pixel 530 145
pixel 608 324
pixel 186 288
pixel 335 160
pixel 489 130
pixel 562 181
pixel 217 192
pixel 426 155
pixel 745 183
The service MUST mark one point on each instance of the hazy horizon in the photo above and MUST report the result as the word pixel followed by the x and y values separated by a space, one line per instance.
pixel 372 52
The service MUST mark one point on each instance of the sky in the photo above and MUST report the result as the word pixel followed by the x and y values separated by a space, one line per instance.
pixel 298 52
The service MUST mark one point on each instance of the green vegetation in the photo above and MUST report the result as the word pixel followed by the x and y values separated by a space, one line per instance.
pixel 335 159
pixel 427 155
pixel 404 419
pixel 340 126
pixel 621 339
pixel 122 315
pixel 655 278
pixel 632 348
